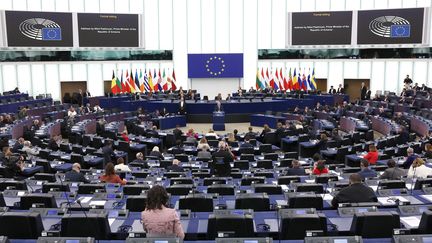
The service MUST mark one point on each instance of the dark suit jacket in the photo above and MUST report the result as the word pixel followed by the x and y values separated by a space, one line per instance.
pixel 53 145
pixel 355 193
pixel 108 153
pixel 393 173
pixel 218 108
pixel 75 177
pixel 222 169
pixel 363 93
pixel 182 109
pixel 175 168
pixel 246 145
pixel 177 134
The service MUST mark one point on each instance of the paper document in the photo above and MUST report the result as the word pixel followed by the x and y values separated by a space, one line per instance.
pixel 85 199
pixel 97 203
pixel 386 201
pixel 410 222
pixel 111 221
pixel 427 197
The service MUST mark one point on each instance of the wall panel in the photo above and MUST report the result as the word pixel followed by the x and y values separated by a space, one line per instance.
pixel 391 76
pixel 38 78
pixel 24 78
pixel 53 80
pixel 9 77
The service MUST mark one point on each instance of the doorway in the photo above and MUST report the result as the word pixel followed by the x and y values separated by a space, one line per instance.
pixel 68 88
pixel 321 85
pixel 353 87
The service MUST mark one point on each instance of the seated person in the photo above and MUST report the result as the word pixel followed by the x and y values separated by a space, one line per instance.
pixel 203 144
pixel 140 159
pixel 54 142
pixel 124 135
pixel 356 192
pixel 246 143
pixel 110 176
pixel 296 169
pixel 212 133
pixel 250 133
pixel 428 151
pixel 372 155
pixel 365 171
pixel 418 169
pixel 204 153
pixel 410 159
pixel 156 153
pixel 120 166
pixel 222 159
pixel 393 172
pixel 19 144
pixel 75 174
pixel 175 167
pixel 320 168
pixel 322 143
pixel 14 167
pixel 158 219
pixel 29 150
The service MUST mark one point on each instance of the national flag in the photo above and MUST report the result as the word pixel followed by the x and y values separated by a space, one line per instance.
pixel 296 85
pixel 305 83
pixel 119 84
pixel 267 81
pixel 258 83
pixel 173 82
pixel 114 88
pixel 137 82
pixel 285 83
pixel 281 87
pixel 290 81
pixel 132 82
pixel 146 82
pixel 123 86
pixel 165 82
pixel 141 80
pixel 160 80
pixel 313 83
pixel 299 81
pixel 150 80
pixel 273 81
pixel 156 86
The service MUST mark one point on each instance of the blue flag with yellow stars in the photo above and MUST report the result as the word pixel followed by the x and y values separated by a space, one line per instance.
pixel 217 65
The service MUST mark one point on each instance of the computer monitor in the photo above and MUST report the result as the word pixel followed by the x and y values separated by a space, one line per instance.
pixel 47 200
pixel 21 225
pixel 65 240
pixel 230 225
pixel 154 240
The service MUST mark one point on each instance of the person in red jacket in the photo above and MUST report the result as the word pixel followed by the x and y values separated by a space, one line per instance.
pixel 372 156
pixel 110 176
pixel 320 168
pixel 124 135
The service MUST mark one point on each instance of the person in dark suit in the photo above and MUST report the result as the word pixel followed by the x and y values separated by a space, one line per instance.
pixel 19 144
pixel 108 152
pixel 14 167
pixel 296 169
pixel 52 144
pixel 87 109
pixel 182 107
pixel 332 90
pixel 246 143
pixel 356 192
pixel 250 133
pixel 79 97
pixel 410 158
pixel 407 81
pixel 221 160
pixel 280 129
pixel 175 167
pixel 365 171
pixel 392 172
pixel 340 89
pixel 156 153
pixel 363 91
pixel 140 160
pixel 75 174
pixel 86 94
pixel 218 107
pixel 177 133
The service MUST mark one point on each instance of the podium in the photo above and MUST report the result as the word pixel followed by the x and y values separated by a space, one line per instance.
pixel 219 121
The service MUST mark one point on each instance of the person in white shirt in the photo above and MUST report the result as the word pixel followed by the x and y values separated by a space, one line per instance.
pixel 97 108
pixel 418 169
pixel 203 144
pixel 31 152
pixel 121 166
pixel 72 112
pixel 212 133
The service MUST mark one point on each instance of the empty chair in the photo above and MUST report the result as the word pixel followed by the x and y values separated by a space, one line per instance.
pixel 173 174
pixel 375 224
pixel 291 155
pixel 90 188
pixel 45 177
pixel 65 147
pixel 326 178
pixel 140 174
pixel 182 157
pixel 46 187
pixel 254 201
pixel 391 184
pixel 248 157
pixel 309 187
pixel 286 180
pixel 425 226
pixel 265 164
pixel 265 148
pixel 240 225
pixel 136 189
pixel 214 180
pixel 21 225
pixel 262 173
pixel 221 189
pixel 47 200
pixel 179 189
pixel 285 163
pixel 246 150
pixel 136 203
pixel 181 180
pixel 196 203
pixel 270 189
pixel 78 225
pixel 247 181
pixel 294 226
pixel 241 164
pixel 11 184
pixel 271 156
pixel 305 200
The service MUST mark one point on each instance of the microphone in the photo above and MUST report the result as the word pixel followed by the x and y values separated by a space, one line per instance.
pixel 82 209
pixel 65 195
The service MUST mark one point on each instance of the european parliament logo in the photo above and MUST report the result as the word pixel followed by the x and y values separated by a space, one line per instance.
pixel 215 65
pixel 41 29
pixel 390 27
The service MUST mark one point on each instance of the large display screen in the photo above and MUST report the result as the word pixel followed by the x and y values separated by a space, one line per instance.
pixel 321 28
pixel 390 26
pixel 108 30
pixel 41 29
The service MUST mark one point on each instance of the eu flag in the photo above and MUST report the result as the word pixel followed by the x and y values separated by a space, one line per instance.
pixel 215 65
pixel 51 34
pixel 400 30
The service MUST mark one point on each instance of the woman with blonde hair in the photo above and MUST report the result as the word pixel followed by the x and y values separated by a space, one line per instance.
pixel 203 144
pixel 418 169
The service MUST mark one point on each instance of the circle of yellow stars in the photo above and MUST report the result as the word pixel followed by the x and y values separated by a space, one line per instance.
pixel 213 72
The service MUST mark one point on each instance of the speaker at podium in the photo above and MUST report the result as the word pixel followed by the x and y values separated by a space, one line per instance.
pixel 219 121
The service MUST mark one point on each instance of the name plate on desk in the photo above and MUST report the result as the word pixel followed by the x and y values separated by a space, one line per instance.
pixel 350 211
pixel 412 238
pixel 50 212
pixel 338 239
pixel 409 210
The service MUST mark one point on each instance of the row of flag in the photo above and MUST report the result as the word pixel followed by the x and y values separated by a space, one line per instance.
pixel 281 81
pixel 145 81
